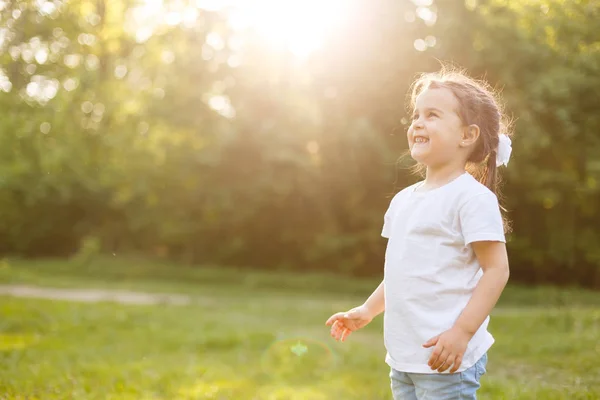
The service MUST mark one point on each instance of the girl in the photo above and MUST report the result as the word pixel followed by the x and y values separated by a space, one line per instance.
pixel 446 263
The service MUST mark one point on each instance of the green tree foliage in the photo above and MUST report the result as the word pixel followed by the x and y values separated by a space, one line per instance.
pixel 170 133
pixel 545 57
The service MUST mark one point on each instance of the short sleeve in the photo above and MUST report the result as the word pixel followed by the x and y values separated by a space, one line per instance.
pixel 480 219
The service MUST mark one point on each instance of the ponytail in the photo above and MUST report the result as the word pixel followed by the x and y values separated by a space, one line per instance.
pixel 489 176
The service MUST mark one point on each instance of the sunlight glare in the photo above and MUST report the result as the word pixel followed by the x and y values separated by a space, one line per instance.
pixel 299 26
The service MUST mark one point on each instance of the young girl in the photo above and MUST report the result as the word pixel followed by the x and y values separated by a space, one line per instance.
pixel 446 263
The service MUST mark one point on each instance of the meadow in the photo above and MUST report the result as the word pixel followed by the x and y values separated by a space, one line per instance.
pixel 259 335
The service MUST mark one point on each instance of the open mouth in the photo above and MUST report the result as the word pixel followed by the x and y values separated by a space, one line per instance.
pixel 421 139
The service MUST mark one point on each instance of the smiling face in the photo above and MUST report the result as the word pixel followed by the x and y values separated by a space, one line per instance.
pixel 435 136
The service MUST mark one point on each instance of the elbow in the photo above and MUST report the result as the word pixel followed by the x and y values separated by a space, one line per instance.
pixel 505 273
pixel 501 273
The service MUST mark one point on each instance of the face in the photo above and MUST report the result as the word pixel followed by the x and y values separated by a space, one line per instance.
pixel 435 135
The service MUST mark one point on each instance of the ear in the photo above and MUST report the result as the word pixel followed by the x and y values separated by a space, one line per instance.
pixel 470 135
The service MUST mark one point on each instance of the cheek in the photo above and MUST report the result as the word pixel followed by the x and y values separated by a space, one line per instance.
pixel 444 133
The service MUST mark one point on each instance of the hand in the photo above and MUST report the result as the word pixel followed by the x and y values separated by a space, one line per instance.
pixel 450 346
pixel 344 323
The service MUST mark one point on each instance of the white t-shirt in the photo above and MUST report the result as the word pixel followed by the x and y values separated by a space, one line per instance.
pixel 431 269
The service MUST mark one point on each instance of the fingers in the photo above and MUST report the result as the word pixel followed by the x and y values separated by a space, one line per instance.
pixel 431 342
pixel 345 334
pixel 340 329
pixel 447 363
pixel 339 332
pixel 434 356
pixel 457 363
pixel 438 357
pixel 334 332
pixel 334 318
pixel 448 351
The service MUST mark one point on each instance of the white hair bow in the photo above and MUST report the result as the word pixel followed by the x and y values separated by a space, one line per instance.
pixel 504 150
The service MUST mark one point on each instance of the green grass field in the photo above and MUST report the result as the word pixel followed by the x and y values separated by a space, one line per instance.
pixel 260 336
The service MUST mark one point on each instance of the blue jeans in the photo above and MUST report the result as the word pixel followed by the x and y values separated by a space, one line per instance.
pixel 457 386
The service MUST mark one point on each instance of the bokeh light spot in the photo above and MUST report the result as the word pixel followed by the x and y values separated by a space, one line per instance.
pixel 45 128
pixel 420 45
pixel 297 359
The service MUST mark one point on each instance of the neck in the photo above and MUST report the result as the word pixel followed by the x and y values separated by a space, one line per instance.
pixel 440 175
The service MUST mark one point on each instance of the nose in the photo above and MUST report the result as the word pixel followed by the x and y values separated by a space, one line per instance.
pixel 417 123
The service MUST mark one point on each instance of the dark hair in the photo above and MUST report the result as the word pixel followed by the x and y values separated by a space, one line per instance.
pixel 477 106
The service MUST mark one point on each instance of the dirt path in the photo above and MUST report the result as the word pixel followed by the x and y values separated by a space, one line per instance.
pixel 93 295
pixel 89 295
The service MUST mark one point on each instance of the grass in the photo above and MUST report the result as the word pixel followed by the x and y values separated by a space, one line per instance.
pixel 260 336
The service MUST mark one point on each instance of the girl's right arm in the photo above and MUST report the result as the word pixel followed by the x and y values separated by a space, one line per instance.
pixel 376 301
pixel 344 323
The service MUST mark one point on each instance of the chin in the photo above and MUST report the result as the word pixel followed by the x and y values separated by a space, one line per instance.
pixel 419 157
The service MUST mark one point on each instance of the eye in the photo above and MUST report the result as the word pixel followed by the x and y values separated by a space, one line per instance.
pixel 431 114
pixel 415 116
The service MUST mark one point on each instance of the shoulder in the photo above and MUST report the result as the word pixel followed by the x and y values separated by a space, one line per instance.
pixel 403 193
pixel 473 191
pixel 479 214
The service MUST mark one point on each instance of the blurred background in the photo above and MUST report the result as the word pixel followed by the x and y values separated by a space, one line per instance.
pixel 268 134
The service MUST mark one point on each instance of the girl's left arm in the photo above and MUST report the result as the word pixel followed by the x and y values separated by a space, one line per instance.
pixel 451 345
pixel 494 262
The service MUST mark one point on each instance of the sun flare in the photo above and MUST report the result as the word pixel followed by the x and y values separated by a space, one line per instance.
pixel 299 26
